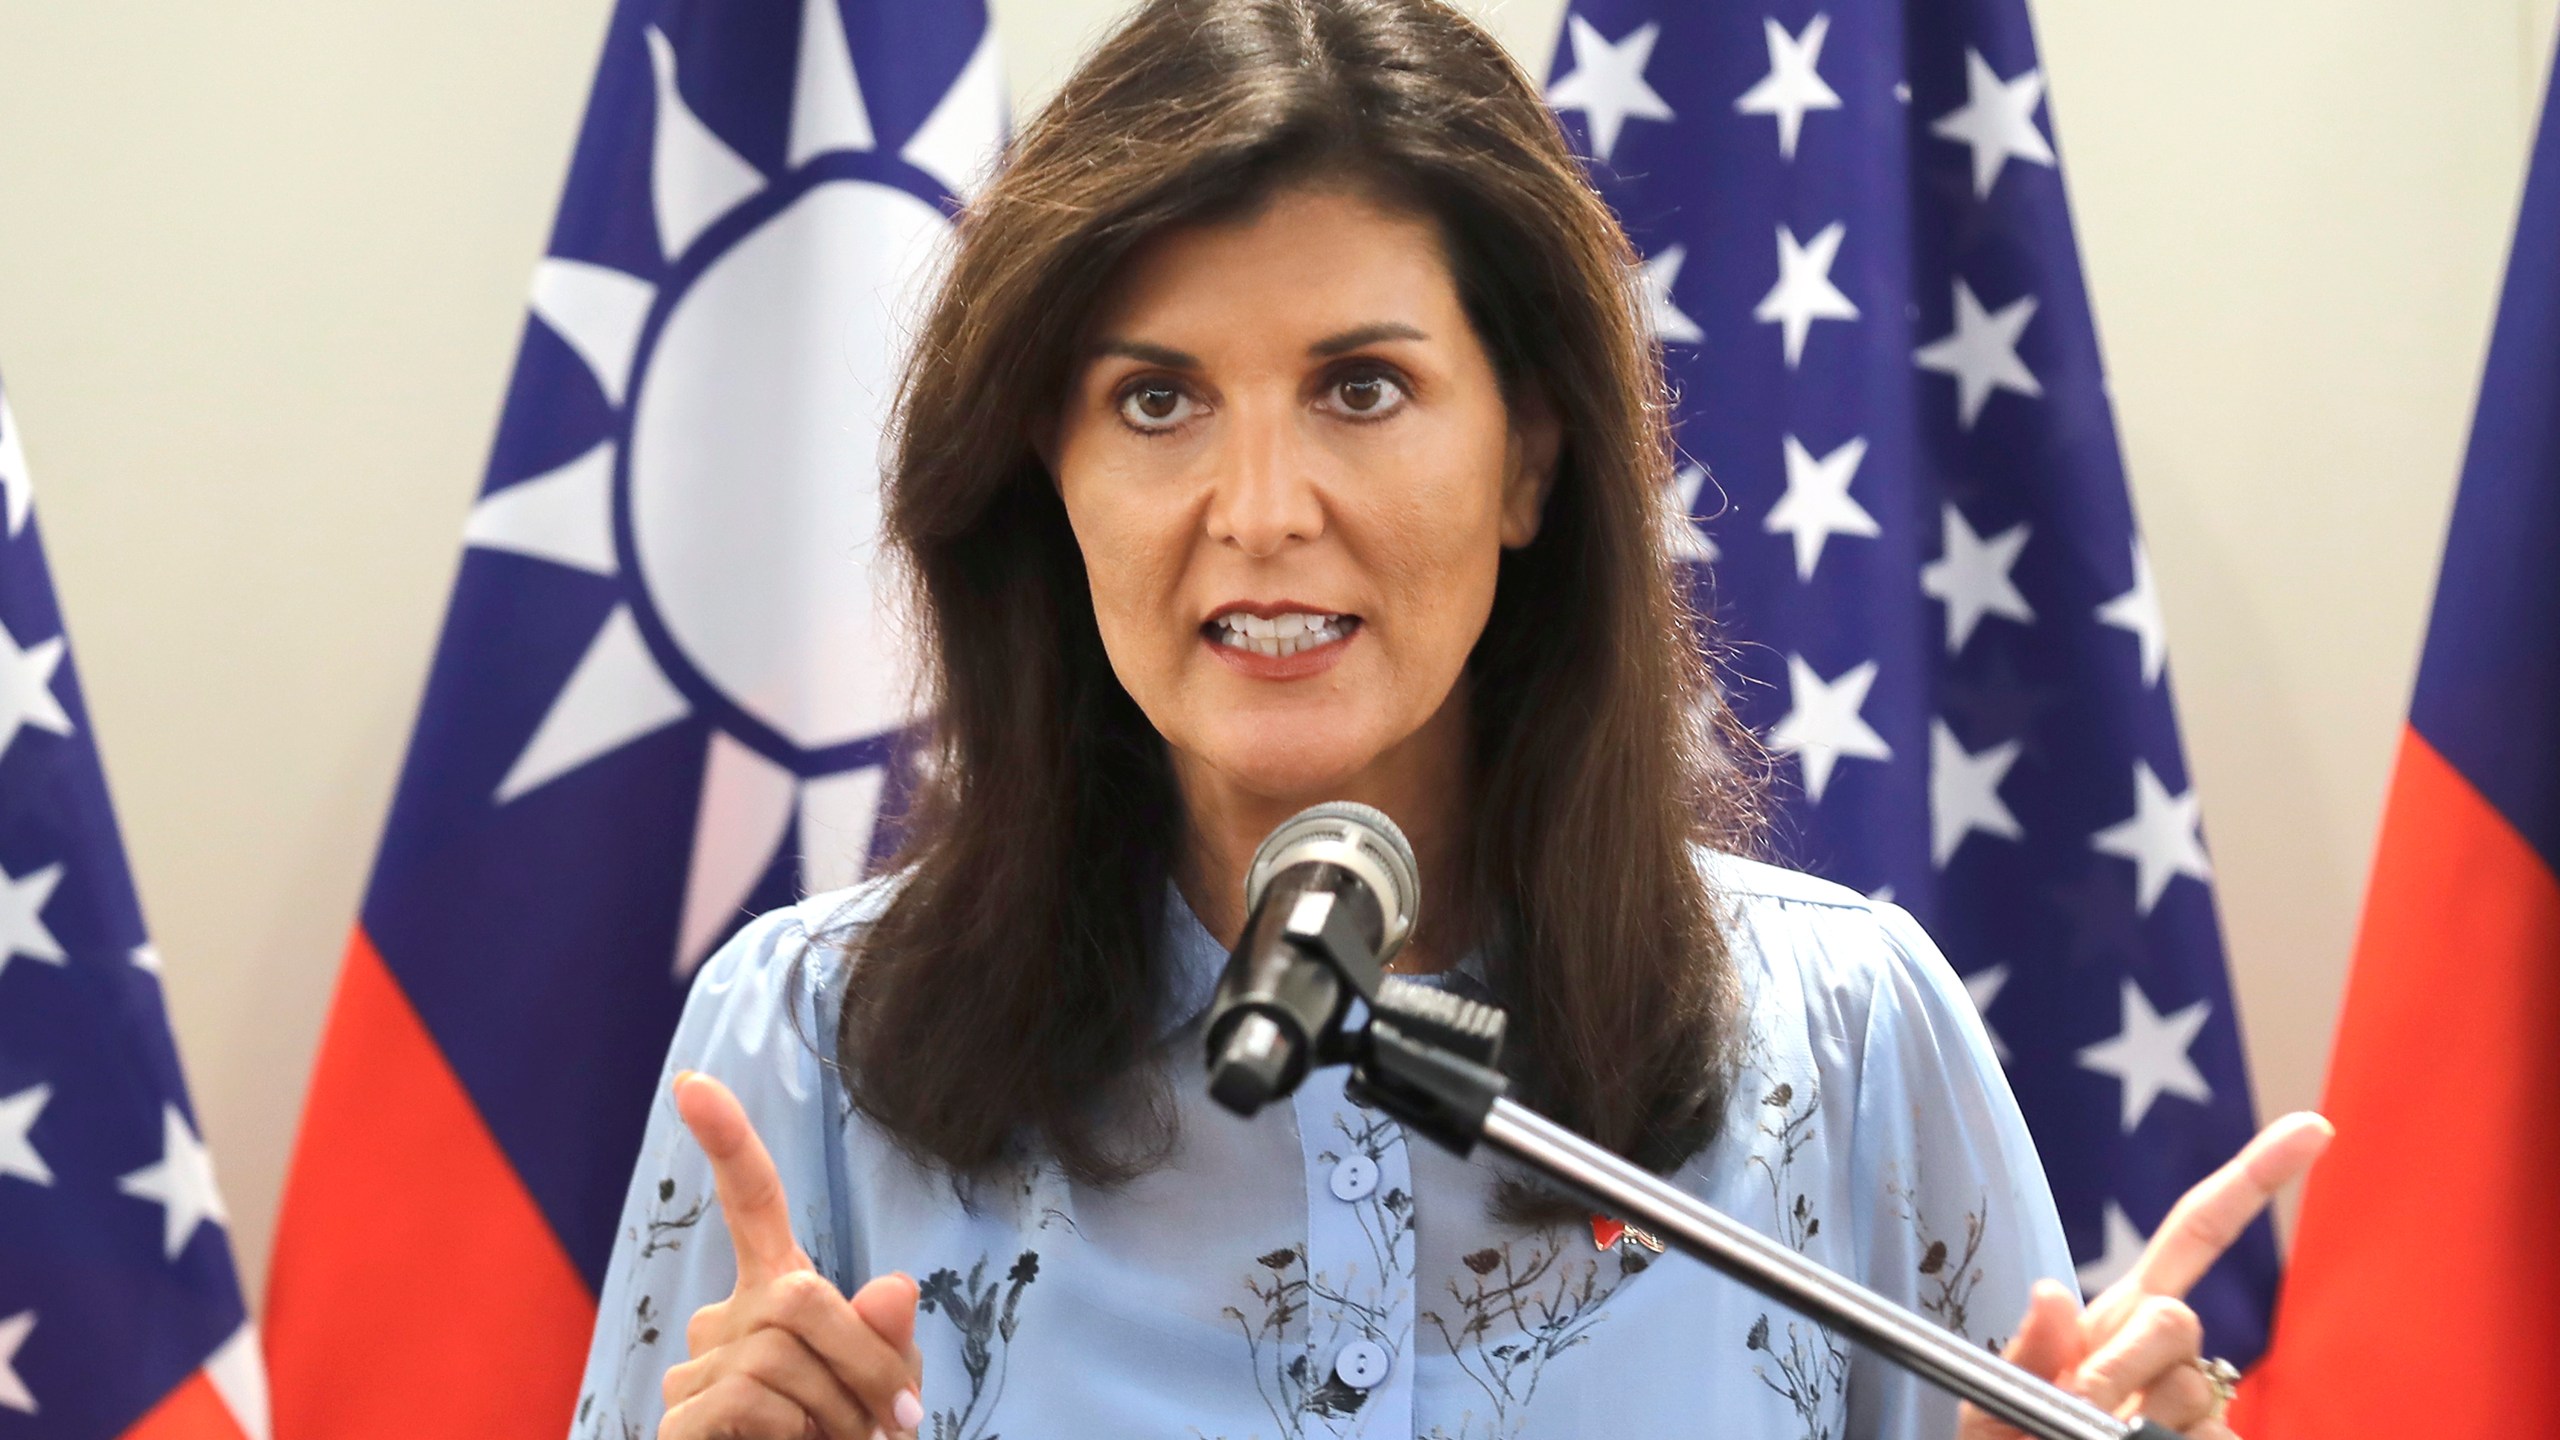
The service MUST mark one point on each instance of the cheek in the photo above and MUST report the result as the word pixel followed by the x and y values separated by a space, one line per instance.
pixel 1435 538
pixel 1446 591
pixel 1134 538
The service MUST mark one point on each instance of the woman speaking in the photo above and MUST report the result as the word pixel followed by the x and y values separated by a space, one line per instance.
pixel 1285 430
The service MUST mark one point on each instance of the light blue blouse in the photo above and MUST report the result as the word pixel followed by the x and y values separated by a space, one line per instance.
pixel 1316 1272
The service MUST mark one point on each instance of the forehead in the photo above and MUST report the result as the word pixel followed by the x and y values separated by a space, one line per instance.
pixel 1312 258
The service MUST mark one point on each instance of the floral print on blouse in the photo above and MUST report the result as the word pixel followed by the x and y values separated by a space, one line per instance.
pixel 1319 1272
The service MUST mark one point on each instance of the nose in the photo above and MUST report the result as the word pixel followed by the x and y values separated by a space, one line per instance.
pixel 1263 498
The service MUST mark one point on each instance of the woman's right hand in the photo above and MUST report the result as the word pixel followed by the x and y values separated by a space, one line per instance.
pixel 786 1356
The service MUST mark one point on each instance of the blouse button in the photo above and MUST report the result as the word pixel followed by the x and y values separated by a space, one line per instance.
pixel 1361 1364
pixel 1355 1179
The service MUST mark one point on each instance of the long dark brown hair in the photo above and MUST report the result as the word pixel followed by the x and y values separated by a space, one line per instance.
pixel 1014 982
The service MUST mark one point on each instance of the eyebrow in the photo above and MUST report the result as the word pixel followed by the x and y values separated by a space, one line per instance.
pixel 1358 336
pixel 1145 353
pixel 1331 345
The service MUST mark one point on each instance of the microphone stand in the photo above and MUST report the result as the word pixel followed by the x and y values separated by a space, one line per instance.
pixel 1426 1057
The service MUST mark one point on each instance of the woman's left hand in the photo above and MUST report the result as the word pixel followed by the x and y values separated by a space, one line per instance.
pixel 2137 1349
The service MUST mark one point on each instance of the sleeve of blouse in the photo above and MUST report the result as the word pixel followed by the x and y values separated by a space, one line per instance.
pixel 749 1020
pixel 1958 1221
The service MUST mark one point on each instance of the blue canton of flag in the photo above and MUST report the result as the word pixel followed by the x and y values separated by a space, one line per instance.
pixel 118 1300
pixel 1914 530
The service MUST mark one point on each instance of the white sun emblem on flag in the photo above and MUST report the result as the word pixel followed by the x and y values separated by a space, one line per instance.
pixel 736 500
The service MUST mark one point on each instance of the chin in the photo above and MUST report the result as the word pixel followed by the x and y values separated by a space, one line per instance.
pixel 1297 760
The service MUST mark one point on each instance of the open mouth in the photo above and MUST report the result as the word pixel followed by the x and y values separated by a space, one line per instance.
pixel 1279 636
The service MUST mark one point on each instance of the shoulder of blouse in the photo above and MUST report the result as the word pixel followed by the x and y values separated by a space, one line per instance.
pixel 1734 878
pixel 784 968
pixel 833 915
pixel 1793 932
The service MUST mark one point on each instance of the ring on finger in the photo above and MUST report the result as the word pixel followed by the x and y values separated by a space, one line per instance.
pixel 2224 1377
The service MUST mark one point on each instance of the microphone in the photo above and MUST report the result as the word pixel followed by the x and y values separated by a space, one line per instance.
pixel 1330 897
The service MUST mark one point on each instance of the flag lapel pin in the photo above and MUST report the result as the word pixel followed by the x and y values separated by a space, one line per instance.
pixel 1607 1233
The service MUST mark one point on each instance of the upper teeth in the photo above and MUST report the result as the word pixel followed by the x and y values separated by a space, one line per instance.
pixel 1281 634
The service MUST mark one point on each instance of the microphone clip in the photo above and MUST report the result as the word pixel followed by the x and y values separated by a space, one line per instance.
pixel 1423 1055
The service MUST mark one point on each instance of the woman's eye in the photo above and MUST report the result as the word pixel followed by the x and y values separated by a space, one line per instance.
pixel 1366 397
pixel 1153 406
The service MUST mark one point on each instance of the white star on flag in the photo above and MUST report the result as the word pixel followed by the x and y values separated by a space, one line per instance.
pixel 1983 986
pixel 17 1149
pixel 17 489
pixel 1817 504
pixel 22 927
pixel 1823 725
pixel 1671 325
pixel 181 1183
pixel 1793 84
pixel 1688 537
pixel 1964 792
pixel 2162 838
pixel 1998 120
pixel 2138 610
pixel 1971 575
pixel 1607 84
pixel 14 1394
pixel 1982 353
pixel 26 689
pixel 1804 292
pixel 2122 1247
pixel 2149 1055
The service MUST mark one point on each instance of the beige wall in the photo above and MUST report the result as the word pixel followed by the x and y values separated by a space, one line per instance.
pixel 261 276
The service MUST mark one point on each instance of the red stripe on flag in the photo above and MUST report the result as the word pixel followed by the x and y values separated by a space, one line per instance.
pixel 416 1288
pixel 2421 1296
pixel 193 1411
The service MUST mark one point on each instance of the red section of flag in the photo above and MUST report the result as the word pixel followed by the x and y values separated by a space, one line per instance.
pixel 193 1411
pixel 2421 1297
pixel 400 1205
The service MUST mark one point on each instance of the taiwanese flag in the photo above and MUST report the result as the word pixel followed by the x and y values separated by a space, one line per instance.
pixel 668 693
pixel 2424 1295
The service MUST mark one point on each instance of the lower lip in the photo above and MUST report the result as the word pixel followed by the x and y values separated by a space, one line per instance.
pixel 1300 666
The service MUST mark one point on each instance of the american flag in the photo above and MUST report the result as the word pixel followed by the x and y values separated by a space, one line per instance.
pixel 120 1312
pixel 1912 523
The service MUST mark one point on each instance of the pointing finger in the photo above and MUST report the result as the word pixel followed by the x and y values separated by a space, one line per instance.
pixel 751 1197
pixel 2208 1219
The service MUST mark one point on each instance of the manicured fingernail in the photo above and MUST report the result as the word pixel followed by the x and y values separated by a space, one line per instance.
pixel 908 1410
pixel 879 1434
